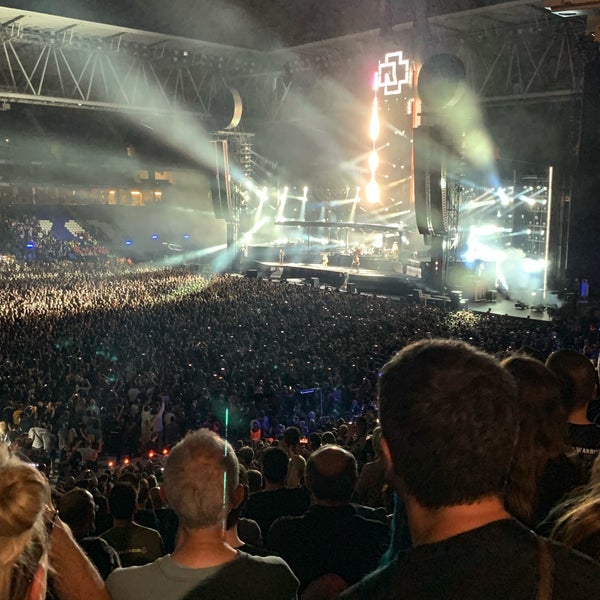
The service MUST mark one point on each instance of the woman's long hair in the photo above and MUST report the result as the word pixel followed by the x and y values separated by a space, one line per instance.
pixel 542 428
pixel 24 496
pixel 579 523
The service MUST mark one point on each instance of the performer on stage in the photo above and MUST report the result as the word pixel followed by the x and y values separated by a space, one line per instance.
pixel 324 259
pixel 356 260
pixel 281 256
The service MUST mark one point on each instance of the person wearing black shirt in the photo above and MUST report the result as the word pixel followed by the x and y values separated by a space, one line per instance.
pixel 450 424
pixel 275 500
pixel 579 383
pixel 331 537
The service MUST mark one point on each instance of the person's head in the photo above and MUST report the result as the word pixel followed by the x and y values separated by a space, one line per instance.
pixel 143 490
pixel 274 464
pixel 361 426
pixel 542 424
pixel 343 432
pixel 542 419
pixel 331 474
pixel 130 478
pixel 531 353
pixel 156 498
pixel 69 482
pixel 255 480
pixel 291 436
pixel 200 477
pixel 77 509
pixel 122 501
pixel 87 477
pixel 376 441
pixel 241 496
pixel 328 438
pixel 577 377
pixel 315 440
pixel 24 497
pixel 449 422
pixel 246 455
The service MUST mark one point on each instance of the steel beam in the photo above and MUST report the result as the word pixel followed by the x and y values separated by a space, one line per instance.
pixel 532 60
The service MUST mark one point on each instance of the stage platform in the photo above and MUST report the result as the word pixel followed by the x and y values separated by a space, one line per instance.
pixel 386 283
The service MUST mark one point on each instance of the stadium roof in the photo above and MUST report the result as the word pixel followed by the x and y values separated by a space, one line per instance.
pixel 263 24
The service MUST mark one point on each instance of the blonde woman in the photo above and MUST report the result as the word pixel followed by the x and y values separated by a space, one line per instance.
pixel 24 496
pixel 578 523
pixel 35 543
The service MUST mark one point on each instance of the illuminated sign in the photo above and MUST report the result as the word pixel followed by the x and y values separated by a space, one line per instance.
pixel 393 73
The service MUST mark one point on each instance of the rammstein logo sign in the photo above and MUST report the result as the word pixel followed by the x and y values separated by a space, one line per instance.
pixel 393 73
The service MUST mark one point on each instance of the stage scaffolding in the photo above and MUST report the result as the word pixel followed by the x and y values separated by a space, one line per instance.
pixel 233 173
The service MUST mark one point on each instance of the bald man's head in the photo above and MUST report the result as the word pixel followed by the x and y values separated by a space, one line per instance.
pixel 331 474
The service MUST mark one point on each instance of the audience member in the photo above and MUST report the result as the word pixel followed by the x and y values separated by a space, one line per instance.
pixel 135 544
pixel 330 538
pixel 143 515
pixel 24 496
pixel 371 486
pixel 166 517
pixel 541 474
pixel 36 547
pixel 246 456
pixel 78 509
pixel 243 534
pixel 200 484
pixel 576 522
pixel 450 423
pixel 276 500
pixel 255 481
pixel 579 383
pixel 296 465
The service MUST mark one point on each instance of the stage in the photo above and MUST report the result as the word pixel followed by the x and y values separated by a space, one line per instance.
pixel 391 283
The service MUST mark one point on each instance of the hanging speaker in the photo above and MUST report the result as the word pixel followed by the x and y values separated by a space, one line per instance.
pixel 217 193
pixel 441 81
pixel 220 189
pixel 431 201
